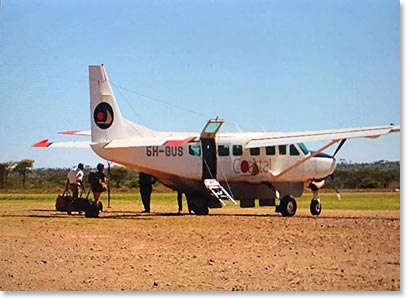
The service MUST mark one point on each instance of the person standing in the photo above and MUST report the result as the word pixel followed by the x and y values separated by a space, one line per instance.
pixel 179 199
pixel 99 183
pixel 146 187
pixel 74 180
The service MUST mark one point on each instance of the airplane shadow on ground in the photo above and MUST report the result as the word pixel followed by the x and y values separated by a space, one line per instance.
pixel 321 217
pixel 137 215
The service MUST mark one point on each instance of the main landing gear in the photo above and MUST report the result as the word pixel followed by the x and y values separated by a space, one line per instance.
pixel 288 206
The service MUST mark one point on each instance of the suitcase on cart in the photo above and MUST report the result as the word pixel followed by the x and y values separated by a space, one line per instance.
pixel 62 201
pixel 80 204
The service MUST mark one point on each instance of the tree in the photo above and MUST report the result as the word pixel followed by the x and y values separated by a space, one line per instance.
pixel 23 167
pixel 5 168
pixel 117 174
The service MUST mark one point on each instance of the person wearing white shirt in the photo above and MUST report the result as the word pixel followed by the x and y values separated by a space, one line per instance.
pixel 74 180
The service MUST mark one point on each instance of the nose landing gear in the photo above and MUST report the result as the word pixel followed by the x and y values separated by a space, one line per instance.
pixel 315 206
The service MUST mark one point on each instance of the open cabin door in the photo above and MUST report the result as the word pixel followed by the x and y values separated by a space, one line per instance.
pixel 209 159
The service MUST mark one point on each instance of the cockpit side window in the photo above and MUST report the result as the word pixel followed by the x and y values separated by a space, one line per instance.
pixel 303 148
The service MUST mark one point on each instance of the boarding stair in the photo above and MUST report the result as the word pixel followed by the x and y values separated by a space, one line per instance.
pixel 216 190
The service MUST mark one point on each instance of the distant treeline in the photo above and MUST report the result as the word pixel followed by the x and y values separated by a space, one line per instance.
pixel 21 175
pixel 376 175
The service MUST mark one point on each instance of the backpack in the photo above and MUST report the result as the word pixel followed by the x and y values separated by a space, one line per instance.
pixel 93 179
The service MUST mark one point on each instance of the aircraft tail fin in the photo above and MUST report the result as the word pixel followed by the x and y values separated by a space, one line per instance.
pixel 107 122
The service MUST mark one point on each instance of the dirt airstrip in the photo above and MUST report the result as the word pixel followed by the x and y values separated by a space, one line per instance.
pixel 231 249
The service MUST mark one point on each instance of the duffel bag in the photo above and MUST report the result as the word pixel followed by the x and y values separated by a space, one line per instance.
pixel 62 201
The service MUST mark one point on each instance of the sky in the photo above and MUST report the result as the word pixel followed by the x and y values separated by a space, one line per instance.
pixel 259 65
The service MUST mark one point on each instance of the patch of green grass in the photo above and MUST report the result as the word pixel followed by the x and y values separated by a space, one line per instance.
pixel 355 201
pixel 19 197
pixel 349 201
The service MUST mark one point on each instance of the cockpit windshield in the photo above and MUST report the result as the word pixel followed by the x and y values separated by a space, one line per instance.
pixel 303 148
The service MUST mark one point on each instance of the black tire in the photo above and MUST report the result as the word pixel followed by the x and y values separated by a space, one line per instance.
pixel 288 206
pixel 315 207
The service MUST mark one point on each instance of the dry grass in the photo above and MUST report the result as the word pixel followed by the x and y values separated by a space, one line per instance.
pixel 231 249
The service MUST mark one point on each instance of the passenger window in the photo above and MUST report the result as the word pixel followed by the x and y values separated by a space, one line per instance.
pixel 255 151
pixel 293 150
pixel 195 150
pixel 282 149
pixel 223 150
pixel 270 150
pixel 237 150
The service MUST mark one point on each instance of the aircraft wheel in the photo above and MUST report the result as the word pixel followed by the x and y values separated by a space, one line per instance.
pixel 315 207
pixel 288 206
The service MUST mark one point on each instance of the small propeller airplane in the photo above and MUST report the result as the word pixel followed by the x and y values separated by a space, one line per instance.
pixel 211 167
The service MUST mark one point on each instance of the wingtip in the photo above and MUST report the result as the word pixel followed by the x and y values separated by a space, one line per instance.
pixel 42 143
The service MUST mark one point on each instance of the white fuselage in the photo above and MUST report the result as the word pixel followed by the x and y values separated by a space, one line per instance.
pixel 234 163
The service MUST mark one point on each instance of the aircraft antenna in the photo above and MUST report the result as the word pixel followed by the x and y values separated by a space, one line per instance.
pixel 131 106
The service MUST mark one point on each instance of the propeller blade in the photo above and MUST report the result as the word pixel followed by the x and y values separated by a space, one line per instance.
pixel 336 187
pixel 339 146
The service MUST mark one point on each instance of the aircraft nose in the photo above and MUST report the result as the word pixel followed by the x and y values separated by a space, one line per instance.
pixel 325 165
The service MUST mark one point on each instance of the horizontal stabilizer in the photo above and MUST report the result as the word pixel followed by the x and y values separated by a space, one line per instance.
pixel 76 132
pixel 46 144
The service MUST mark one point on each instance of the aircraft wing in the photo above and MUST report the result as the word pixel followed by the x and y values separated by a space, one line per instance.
pixel 277 138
